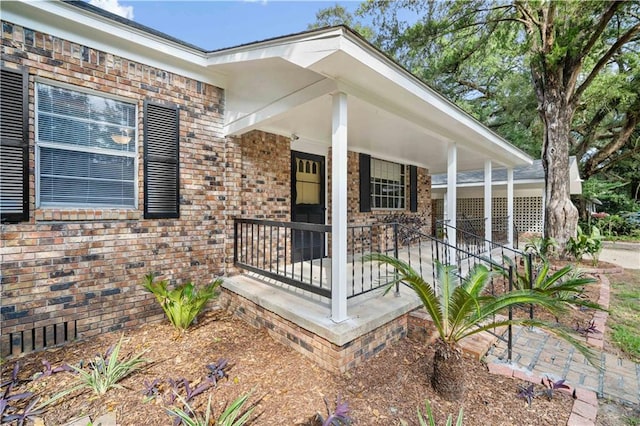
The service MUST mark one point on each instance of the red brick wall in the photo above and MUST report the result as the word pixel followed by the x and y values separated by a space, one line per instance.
pixel 85 265
pixel 356 217
pixel 326 354
pixel 266 176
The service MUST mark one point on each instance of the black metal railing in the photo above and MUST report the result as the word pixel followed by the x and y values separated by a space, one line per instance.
pixel 471 231
pixel 289 252
pixel 297 254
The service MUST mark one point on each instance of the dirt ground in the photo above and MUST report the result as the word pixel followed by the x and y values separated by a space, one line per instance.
pixel 287 388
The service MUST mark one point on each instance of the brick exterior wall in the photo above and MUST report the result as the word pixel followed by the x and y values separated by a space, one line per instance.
pixel 70 273
pixel 321 351
pixel 83 266
pixel 356 217
pixel 266 176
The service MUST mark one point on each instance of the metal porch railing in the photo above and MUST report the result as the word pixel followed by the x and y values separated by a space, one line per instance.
pixel 298 254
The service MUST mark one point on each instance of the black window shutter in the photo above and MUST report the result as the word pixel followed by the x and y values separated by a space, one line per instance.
pixel 365 182
pixel 161 161
pixel 14 145
pixel 413 188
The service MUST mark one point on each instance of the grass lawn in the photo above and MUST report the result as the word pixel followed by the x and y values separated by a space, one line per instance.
pixel 624 318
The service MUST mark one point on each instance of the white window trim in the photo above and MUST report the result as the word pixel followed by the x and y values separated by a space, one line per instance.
pixel 133 154
pixel 403 173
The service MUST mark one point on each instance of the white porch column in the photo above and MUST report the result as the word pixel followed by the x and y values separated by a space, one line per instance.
pixel 339 208
pixel 510 206
pixel 452 196
pixel 488 202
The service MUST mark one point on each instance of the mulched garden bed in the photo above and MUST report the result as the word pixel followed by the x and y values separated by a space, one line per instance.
pixel 288 388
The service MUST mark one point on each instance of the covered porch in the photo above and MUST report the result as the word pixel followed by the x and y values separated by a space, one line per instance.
pixel 354 139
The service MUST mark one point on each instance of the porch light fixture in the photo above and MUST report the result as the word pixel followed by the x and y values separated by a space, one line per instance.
pixel 122 138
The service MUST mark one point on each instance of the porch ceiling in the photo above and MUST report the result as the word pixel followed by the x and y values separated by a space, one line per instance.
pixel 284 86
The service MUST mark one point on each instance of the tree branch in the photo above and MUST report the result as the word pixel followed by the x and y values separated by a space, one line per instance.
pixel 603 60
pixel 599 28
pixel 591 166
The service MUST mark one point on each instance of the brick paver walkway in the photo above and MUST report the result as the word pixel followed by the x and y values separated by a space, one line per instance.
pixel 541 354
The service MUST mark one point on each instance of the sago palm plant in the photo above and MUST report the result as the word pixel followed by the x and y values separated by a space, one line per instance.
pixel 461 309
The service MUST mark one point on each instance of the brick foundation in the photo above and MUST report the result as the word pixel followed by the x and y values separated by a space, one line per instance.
pixel 321 351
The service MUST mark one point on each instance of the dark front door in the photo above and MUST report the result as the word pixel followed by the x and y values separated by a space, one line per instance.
pixel 307 198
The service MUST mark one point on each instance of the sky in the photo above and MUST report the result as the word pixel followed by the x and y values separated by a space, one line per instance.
pixel 215 24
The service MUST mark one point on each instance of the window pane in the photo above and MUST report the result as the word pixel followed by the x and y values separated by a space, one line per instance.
pixel 74 118
pixel 92 163
pixel 86 178
pixel 387 185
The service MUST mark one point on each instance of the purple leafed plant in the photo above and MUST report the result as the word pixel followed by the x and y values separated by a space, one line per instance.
pixel 48 370
pixel 339 417
pixel 552 386
pixel 528 393
pixel 218 370
pixel 192 393
pixel 590 328
pixel 150 389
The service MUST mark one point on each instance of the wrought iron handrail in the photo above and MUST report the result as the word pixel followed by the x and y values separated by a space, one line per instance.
pixel 266 247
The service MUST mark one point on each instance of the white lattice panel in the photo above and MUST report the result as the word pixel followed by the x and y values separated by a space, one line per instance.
pixel 527 211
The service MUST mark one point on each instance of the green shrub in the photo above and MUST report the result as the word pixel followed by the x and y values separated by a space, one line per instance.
pixel 582 244
pixel 432 421
pixel 182 304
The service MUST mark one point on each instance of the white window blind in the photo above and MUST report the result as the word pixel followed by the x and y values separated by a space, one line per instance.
pixel 86 149
pixel 387 185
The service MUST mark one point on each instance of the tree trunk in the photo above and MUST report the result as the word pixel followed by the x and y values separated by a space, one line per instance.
pixel 449 374
pixel 561 216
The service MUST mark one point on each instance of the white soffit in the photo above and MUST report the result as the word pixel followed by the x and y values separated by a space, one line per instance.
pixel 361 71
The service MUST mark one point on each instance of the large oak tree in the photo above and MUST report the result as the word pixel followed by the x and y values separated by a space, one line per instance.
pixel 566 74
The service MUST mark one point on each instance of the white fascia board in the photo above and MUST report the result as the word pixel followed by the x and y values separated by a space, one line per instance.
pixel 302 50
pixel 86 28
pixel 494 183
pixel 389 69
pixel 252 121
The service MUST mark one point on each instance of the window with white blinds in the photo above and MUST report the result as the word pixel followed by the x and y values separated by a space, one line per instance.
pixel 86 149
pixel 387 185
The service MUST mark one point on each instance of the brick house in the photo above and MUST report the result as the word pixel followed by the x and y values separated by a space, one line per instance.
pixel 126 151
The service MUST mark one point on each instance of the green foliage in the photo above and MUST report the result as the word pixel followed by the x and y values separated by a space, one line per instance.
pixel 182 304
pixel 235 415
pixel 106 371
pixel 541 247
pixel 565 285
pixel 624 320
pixel 627 339
pixel 339 15
pixel 565 84
pixel 615 226
pixel 583 243
pixel 614 195
pixel 462 308
pixel 431 420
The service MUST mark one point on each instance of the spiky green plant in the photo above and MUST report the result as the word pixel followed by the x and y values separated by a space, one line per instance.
pixel 234 415
pixel 432 421
pixel 106 371
pixel 462 308
pixel 566 284
pixel 182 304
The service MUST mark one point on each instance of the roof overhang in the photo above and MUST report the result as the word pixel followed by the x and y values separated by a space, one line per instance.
pixel 391 113
pixel 285 86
